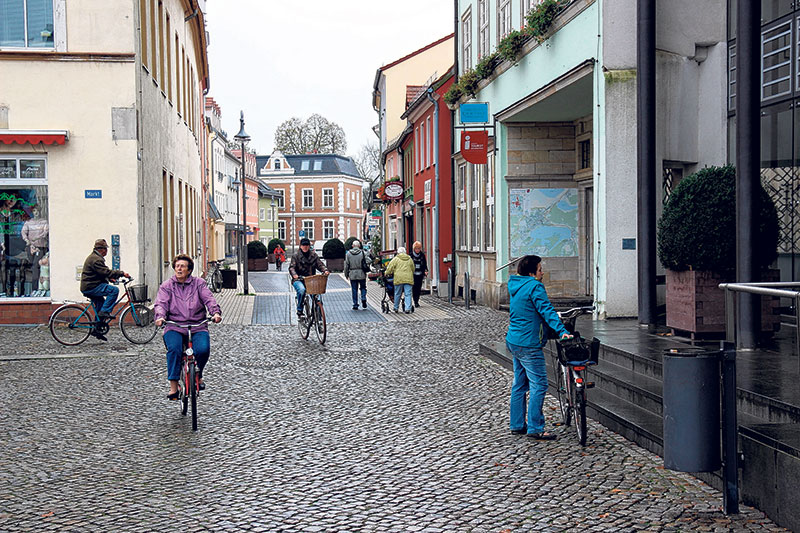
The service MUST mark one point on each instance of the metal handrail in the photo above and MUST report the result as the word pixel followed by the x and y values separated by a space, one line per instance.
pixel 764 288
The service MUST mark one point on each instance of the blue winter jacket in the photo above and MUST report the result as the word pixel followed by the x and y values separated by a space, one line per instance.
pixel 530 308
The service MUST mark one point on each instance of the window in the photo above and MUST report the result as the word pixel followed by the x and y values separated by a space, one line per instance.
pixel 776 63
pixel 308 227
pixel 24 227
pixel 466 39
pixel 262 213
pixel 308 198
pixel 476 177
pixel 461 207
pixel 277 165
pixel 417 150
pixel 169 58
pixel 488 217
pixel 483 28
pixel 280 198
pixel 282 230
pixel 428 156
pixel 160 26
pixel 327 229
pixel 270 213
pixel 347 194
pixel 304 164
pixel 422 144
pixel 327 198
pixel 584 154
pixel 26 23
pixel 317 164
pixel 142 31
pixel 527 6
pixel 503 19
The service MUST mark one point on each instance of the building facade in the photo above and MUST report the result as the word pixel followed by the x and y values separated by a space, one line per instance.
pixel 321 195
pixel 118 140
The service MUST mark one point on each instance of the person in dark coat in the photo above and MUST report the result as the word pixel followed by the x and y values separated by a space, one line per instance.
pixel 420 270
pixel 355 269
pixel 305 262
pixel 95 276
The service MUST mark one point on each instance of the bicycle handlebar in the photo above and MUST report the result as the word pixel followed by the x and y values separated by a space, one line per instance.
pixel 575 311
pixel 205 321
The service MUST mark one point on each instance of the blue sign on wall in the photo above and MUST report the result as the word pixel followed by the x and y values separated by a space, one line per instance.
pixel 302 233
pixel 93 193
pixel 474 112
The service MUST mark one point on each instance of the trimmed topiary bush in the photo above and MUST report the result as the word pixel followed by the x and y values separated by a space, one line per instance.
pixel 256 250
pixel 333 249
pixel 274 243
pixel 349 242
pixel 697 230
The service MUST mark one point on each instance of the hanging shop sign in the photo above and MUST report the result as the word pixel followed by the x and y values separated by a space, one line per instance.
pixel 474 145
pixel 393 190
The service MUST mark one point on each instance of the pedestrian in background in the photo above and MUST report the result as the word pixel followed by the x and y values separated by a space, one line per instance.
pixel 420 270
pixel 355 269
pixel 530 310
pixel 402 268
pixel 280 256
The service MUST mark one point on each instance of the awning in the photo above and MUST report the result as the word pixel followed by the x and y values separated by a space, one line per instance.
pixel 34 136
pixel 213 212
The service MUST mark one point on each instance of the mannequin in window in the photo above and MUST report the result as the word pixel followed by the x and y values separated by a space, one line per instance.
pixel 35 233
pixel 13 256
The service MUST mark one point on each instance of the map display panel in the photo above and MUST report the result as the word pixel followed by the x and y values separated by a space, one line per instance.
pixel 543 222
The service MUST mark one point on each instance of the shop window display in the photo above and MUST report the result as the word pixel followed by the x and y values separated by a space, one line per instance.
pixel 24 242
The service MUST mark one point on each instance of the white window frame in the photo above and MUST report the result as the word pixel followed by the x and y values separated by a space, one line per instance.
pixel 308 194
pixel 416 151
pixel 262 214
pixel 489 213
pixel 422 144
pixel 308 227
pixel 429 156
pixel 59 29
pixel 483 28
pixel 466 40
pixel 327 192
pixel 328 228
pixel 318 164
pixel 503 19
pixel 282 230
pixel 527 6
pixel 280 198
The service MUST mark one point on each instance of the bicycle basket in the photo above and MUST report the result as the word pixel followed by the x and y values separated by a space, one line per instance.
pixel 138 293
pixel 578 350
pixel 316 284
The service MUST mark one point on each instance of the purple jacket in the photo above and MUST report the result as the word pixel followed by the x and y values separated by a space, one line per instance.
pixel 185 303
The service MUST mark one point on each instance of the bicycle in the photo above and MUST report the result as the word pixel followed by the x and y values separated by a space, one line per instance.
pixel 571 360
pixel 313 311
pixel 189 382
pixel 72 323
pixel 214 276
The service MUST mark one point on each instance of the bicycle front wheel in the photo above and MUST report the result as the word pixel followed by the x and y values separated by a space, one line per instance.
pixel 579 401
pixel 304 324
pixel 138 324
pixel 320 326
pixel 192 379
pixel 71 324
pixel 562 389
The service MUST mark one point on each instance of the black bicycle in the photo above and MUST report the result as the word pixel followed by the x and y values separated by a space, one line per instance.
pixel 214 276
pixel 313 311
pixel 571 359
pixel 72 323
pixel 189 382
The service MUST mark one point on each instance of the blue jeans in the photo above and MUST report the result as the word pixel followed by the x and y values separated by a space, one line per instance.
pixel 174 341
pixel 300 288
pixel 104 290
pixel 406 289
pixel 354 285
pixel 530 373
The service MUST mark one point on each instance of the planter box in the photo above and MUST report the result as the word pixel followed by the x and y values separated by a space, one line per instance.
pixel 696 304
pixel 271 258
pixel 228 279
pixel 258 265
pixel 335 265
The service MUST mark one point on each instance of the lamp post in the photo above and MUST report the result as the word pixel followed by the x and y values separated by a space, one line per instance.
pixel 243 138
pixel 236 233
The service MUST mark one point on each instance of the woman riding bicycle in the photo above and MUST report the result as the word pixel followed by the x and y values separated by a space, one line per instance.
pixel 186 300
pixel 530 310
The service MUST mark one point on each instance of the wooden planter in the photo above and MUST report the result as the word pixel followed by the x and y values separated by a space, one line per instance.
pixel 335 265
pixel 257 265
pixel 696 304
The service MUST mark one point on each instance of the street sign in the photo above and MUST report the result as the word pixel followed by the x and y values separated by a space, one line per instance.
pixel 302 233
pixel 92 193
pixel 377 213
pixel 474 112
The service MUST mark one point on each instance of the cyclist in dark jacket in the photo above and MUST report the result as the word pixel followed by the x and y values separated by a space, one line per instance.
pixel 305 262
pixel 95 276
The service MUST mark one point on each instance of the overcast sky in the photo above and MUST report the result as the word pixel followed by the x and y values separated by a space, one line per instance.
pixel 276 59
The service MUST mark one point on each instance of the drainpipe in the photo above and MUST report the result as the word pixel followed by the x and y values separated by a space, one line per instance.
pixel 436 252
pixel 748 131
pixel 646 160
pixel 453 262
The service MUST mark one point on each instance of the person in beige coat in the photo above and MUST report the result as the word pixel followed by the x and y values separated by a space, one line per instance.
pixel 402 268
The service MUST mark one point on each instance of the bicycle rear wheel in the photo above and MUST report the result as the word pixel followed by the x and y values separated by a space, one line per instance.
pixel 217 281
pixel 579 402
pixel 138 324
pixel 304 324
pixel 71 324
pixel 192 379
pixel 562 389
pixel 320 326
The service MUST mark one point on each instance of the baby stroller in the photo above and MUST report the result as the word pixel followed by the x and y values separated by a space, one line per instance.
pixel 387 282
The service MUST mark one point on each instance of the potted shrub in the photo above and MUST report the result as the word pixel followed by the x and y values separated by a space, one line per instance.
pixel 349 243
pixel 697 246
pixel 273 243
pixel 228 277
pixel 333 252
pixel 257 256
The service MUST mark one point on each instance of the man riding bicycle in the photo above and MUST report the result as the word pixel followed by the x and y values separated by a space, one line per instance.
pixel 94 283
pixel 305 262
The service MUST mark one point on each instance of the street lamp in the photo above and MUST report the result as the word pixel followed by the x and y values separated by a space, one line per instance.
pixel 236 233
pixel 243 138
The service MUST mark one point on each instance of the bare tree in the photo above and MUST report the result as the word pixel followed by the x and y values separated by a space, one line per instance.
pixel 368 163
pixel 315 135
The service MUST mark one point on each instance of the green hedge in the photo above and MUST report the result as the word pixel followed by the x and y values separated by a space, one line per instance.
pixel 256 250
pixel 333 249
pixel 274 243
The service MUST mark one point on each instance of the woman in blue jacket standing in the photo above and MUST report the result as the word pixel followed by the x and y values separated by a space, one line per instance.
pixel 530 310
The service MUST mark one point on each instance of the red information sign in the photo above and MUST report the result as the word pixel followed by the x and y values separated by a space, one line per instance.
pixel 473 146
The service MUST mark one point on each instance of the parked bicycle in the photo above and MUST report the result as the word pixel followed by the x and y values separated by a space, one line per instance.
pixel 313 311
pixel 214 276
pixel 189 382
pixel 72 323
pixel 571 359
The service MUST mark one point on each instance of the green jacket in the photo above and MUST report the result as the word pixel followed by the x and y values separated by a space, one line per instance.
pixel 403 269
pixel 96 272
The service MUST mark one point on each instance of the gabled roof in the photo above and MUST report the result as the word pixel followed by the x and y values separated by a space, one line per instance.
pixel 413 91
pixel 404 58
pixel 413 104
pixel 315 165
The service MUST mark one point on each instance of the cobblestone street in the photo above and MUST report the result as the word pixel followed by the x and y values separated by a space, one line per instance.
pixel 391 426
